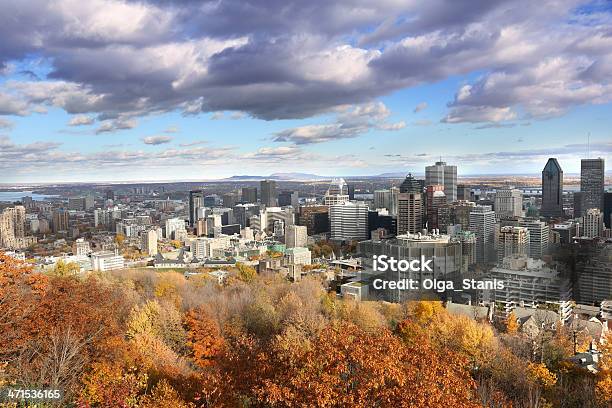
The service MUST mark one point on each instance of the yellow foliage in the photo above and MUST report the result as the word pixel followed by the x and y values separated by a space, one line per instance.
pixel 63 268
pixel 511 324
pixel 423 311
pixel 539 373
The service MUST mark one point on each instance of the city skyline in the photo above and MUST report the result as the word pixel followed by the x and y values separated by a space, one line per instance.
pixel 114 91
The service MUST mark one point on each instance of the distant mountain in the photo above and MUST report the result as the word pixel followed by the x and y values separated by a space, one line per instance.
pixel 246 178
pixel 278 176
pixel 296 176
pixel 392 175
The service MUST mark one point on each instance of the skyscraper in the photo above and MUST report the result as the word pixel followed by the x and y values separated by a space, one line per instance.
pixel 349 221
pixel 442 173
pixel 409 213
pixel 552 189
pixel 411 185
pixel 196 200
pixel 288 197
pixel 249 194
pixel 509 202
pixel 482 224
pixel 592 183
pixel 268 193
pixel 435 198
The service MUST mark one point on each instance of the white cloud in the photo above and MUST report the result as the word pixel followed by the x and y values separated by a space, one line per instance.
pixel 80 120
pixel 156 140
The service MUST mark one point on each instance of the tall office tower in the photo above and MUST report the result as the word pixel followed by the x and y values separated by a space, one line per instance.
pixel 349 221
pixel 249 194
pixel 109 194
pixel 442 173
pixel 538 236
pixel 315 218
pixel 592 183
pixel 337 193
pixel 434 199
pixel 268 193
pixel 607 212
pixel 382 199
pixel 508 203
pixel 409 213
pixel 463 192
pixel 482 224
pixel 578 204
pixel 60 220
pixel 148 242
pixel 512 241
pixel 592 223
pixel 229 200
pixel 552 189
pixel 350 190
pixel 288 197
pixel 196 200
pixel 296 236
pixel 411 185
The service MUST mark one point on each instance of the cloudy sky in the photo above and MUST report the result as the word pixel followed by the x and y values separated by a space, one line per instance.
pixel 157 90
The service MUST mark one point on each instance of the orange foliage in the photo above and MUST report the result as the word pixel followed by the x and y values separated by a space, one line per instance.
pixel 203 337
pixel 346 366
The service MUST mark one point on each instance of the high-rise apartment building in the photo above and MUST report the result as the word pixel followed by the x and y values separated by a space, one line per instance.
pixel 444 174
pixel 512 241
pixel 148 242
pixel 508 203
pixel 349 221
pixel 296 236
pixel 538 236
pixel 409 213
pixel 592 183
pixel 482 224
pixel 268 193
pixel 12 228
pixel 552 189
pixel 60 220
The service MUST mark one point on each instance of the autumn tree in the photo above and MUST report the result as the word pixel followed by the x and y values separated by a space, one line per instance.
pixel 346 366
pixel 203 337
pixel 511 324
pixel 245 273
pixel 63 268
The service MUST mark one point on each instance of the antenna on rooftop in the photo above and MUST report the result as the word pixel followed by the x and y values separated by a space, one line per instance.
pixel 588 145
